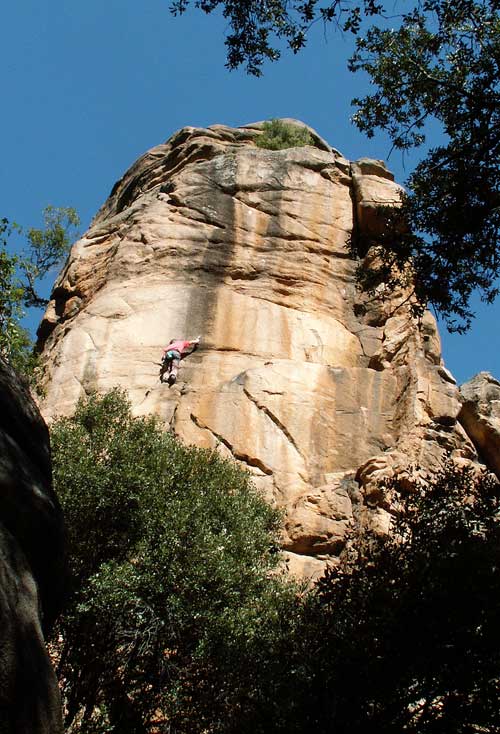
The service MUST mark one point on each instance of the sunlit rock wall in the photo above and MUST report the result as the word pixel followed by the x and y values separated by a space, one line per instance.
pixel 480 416
pixel 314 388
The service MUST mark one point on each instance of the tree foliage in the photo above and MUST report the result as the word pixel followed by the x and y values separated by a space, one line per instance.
pixel 47 248
pixel 178 622
pixel 14 340
pixel 258 27
pixel 406 630
pixel 173 601
pixel 442 65
pixel 279 135
pixel 20 274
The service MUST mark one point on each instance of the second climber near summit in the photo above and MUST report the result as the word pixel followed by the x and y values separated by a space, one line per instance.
pixel 175 350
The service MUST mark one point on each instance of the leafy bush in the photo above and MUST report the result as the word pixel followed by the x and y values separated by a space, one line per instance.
pixel 278 135
pixel 15 342
pixel 174 607
pixel 179 622
pixel 20 275
pixel 404 635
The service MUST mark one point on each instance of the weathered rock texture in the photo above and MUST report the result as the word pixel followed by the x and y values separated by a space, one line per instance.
pixel 312 386
pixel 480 416
pixel 32 565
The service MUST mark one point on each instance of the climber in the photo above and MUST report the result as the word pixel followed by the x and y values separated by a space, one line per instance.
pixel 175 350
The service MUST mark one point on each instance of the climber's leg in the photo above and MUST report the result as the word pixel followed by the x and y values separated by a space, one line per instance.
pixel 174 369
pixel 165 369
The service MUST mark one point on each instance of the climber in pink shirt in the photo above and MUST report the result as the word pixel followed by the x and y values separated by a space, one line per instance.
pixel 175 350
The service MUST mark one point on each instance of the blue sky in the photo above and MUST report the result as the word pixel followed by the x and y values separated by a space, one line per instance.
pixel 87 87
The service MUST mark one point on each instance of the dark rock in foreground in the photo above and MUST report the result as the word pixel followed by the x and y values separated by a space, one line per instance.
pixel 32 565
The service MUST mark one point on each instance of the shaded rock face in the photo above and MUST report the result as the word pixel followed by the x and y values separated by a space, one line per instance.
pixel 315 388
pixel 480 416
pixel 32 565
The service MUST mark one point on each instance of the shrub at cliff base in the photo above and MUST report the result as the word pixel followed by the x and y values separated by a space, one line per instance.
pixel 278 135
pixel 404 637
pixel 176 623
pixel 175 618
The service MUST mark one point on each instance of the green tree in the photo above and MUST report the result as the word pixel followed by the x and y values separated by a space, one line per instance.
pixel 21 273
pixel 47 248
pixel 179 622
pixel 442 65
pixel 404 635
pixel 279 135
pixel 14 340
pixel 257 28
pixel 176 598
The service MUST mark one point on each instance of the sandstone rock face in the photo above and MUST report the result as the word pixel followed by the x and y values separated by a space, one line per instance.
pixel 32 565
pixel 480 416
pixel 315 388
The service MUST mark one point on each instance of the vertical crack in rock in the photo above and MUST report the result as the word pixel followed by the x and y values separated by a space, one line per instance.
pixel 171 423
pixel 275 420
pixel 245 458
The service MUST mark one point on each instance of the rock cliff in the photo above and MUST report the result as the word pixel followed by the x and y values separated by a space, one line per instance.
pixel 314 387
pixel 480 416
pixel 32 565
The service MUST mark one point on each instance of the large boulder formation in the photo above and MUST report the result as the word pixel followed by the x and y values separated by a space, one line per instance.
pixel 32 565
pixel 480 416
pixel 314 387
